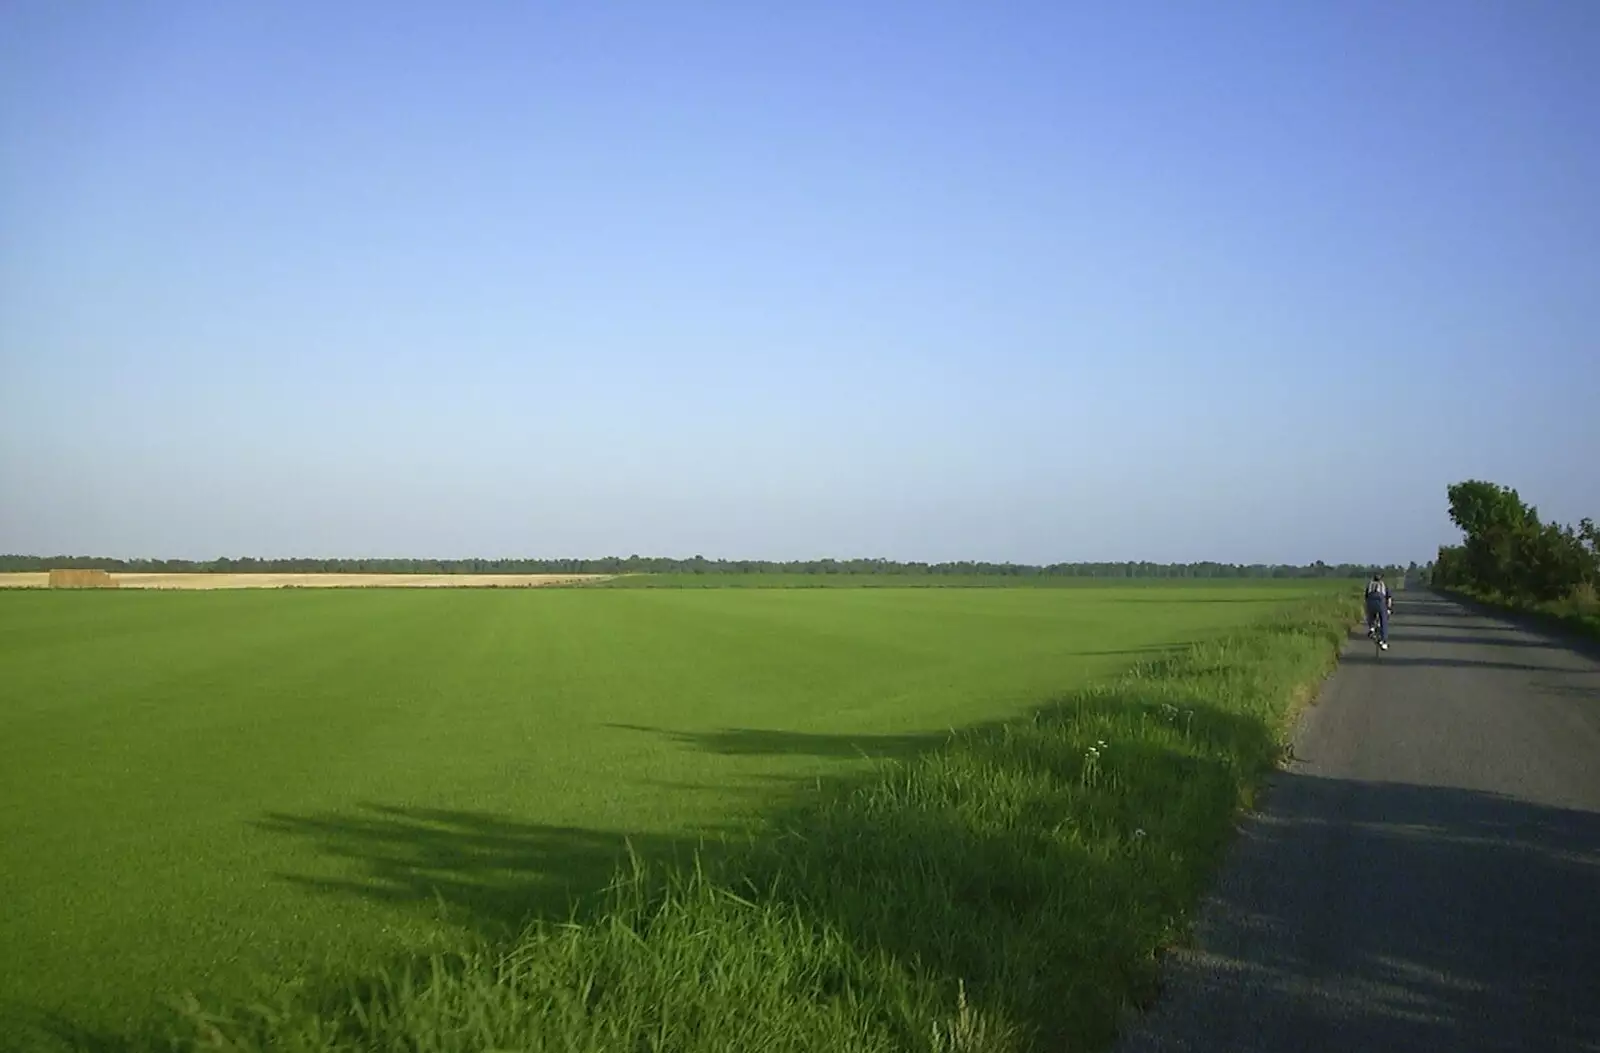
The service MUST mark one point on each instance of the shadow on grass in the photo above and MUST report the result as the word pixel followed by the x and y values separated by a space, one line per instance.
pixel 766 742
pixel 1167 597
pixel 1049 909
pixel 490 872
pixel 1012 910
pixel 1153 649
pixel 28 1029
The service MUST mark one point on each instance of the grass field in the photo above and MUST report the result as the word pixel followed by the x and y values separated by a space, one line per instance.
pixel 207 789
pixel 921 581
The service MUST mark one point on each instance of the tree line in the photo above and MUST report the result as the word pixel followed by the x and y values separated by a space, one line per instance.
pixel 1508 551
pixel 695 565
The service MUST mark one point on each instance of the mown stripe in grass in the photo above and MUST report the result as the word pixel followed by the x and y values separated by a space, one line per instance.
pixel 1009 890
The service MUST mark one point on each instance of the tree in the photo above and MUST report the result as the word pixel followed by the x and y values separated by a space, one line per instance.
pixel 1480 508
pixel 1495 520
pixel 1551 562
pixel 1508 550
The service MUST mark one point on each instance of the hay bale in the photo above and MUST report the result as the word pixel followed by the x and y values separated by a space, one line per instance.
pixel 81 579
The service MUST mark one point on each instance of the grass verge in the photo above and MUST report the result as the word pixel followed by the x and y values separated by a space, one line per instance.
pixel 1008 890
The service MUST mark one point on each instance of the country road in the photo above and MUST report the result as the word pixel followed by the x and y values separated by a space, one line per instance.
pixel 1425 875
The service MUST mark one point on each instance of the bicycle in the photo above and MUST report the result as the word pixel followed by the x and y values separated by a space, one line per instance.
pixel 1377 631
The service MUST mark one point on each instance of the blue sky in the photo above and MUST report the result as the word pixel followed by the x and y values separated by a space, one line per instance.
pixel 1247 281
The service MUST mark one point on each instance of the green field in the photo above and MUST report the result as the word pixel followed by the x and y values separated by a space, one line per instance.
pixel 774 580
pixel 207 788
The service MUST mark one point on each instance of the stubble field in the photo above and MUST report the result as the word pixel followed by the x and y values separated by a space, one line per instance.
pixel 41 579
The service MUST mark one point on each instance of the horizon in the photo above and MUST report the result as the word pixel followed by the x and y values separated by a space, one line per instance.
pixel 1042 285
pixel 709 560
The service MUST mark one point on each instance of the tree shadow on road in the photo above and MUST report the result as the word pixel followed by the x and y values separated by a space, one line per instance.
pixel 1487 640
pixel 1391 657
pixel 1488 631
pixel 1360 915
pixel 1552 631
pixel 1449 617
pixel 1578 691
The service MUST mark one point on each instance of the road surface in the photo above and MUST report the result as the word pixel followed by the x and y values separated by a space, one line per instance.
pixel 1426 874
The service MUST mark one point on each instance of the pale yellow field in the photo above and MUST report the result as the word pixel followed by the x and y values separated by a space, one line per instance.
pixel 40 580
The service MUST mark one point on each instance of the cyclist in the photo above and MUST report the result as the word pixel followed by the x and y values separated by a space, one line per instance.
pixel 1380 603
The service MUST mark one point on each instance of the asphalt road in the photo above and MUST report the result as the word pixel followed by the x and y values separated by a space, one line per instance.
pixel 1426 874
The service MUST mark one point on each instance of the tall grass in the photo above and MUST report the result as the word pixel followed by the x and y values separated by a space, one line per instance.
pixel 1009 890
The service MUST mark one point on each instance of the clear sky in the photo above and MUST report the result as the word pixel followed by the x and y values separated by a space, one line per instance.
pixel 1057 281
